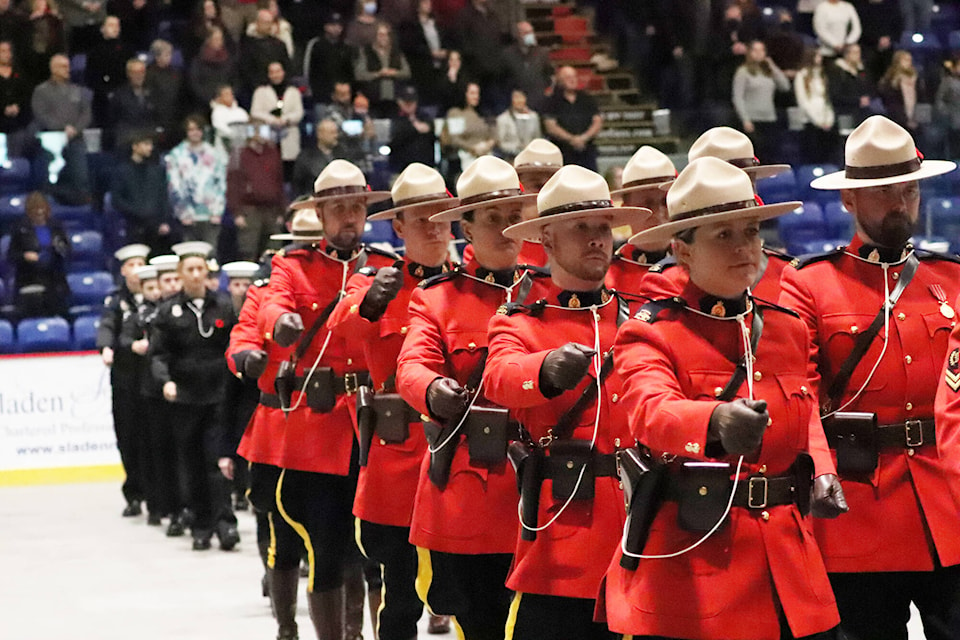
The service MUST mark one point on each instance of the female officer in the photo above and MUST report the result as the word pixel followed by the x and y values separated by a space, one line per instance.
pixel 715 386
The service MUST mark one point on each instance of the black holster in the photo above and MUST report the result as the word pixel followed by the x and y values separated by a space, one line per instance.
pixel 365 422
pixel 644 489
pixel 285 383
pixel 486 429
pixel 854 435
pixel 527 461
pixel 440 459
pixel 803 470
pixel 385 415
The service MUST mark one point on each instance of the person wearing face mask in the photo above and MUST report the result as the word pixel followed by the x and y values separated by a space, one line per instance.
pixel 361 30
pixel 528 66
pixel 278 103
pixel 875 366
pixel 549 361
pixel 728 552
pixel 316 388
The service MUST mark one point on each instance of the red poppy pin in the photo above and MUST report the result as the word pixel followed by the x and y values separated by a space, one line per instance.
pixel 218 323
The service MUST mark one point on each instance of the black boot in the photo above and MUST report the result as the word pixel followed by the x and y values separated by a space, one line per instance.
pixel 132 509
pixel 354 593
pixel 283 597
pixel 175 529
pixel 326 612
pixel 228 535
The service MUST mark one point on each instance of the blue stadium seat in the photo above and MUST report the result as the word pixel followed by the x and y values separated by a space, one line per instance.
pixel 779 188
pixel 43 334
pixel 920 42
pixel 801 226
pixel 86 251
pixel 379 231
pixel 954 41
pixel 8 343
pixel 943 219
pixel 838 223
pixel 11 209
pixel 85 332
pixel 79 217
pixel 808 172
pixel 6 266
pixel 16 177
pixel 89 288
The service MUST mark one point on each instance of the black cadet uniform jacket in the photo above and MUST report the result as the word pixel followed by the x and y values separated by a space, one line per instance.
pixel 118 307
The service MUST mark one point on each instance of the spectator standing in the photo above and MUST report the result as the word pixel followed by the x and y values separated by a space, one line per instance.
pixel 39 250
pixel 255 194
pixel 754 85
pixel 879 19
pixel 785 45
pixel 45 37
pixel 59 105
pixel 213 67
pixel 413 139
pixel 205 19
pixel 361 30
pixel 225 113
pixel 379 68
pixel 818 141
pixel 572 120
pixel 13 25
pixel 466 131
pixel 425 46
pixel 236 15
pixel 14 101
pixel 528 66
pixel 314 158
pixel 850 89
pixel 132 107
pixel 82 18
pixel 452 84
pixel 480 37
pixel 916 15
pixel 900 89
pixel 836 23
pixel 804 11
pixel 948 103
pixel 279 105
pixel 257 51
pixel 517 126
pixel 280 29
pixel 139 193
pixel 327 59
pixel 106 68
pixel 197 183
pixel 341 108
pixel 165 83
pixel 727 51
pixel 139 20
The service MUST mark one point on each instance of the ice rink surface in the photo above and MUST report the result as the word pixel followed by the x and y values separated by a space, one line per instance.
pixel 72 568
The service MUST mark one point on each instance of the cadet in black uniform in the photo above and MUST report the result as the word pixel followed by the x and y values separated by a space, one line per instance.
pixel 189 338
pixel 122 302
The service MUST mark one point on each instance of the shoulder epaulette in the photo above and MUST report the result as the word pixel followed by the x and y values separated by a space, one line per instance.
pixel 802 261
pixel 261 282
pixel 440 277
pixel 780 255
pixel 367 271
pixel 535 271
pixel 513 308
pixel 294 249
pixel 663 265
pixel 767 305
pixel 369 248
pixel 923 254
pixel 649 312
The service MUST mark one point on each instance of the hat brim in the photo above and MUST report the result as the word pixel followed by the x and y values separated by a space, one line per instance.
pixel 451 215
pixel 390 214
pixel 297 238
pixel 663 186
pixel 530 169
pixel 372 197
pixel 666 231
pixel 530 229
pixel 838 180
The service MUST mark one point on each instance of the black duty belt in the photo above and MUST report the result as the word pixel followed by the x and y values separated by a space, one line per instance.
pixel 347 383
pixel 270 400
pixel 907 435
pixel 755 492
pixel 604 465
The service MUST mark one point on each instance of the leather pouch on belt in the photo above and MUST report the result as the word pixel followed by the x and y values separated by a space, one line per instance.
pixel 568 459
pixel 854 436
pixel 391 418
pixel 703 491
pixel 486 429
pixel 644 485
pixel 321 396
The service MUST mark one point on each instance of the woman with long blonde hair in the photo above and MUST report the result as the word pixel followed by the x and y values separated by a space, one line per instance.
pixel 900 89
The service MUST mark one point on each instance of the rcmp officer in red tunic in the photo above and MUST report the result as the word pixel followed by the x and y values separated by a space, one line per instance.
pixel 714 384
pixel 547 362
pixel 646 172
pixel 899 543
pixel 465 510
pixel 252 358
pixel 373 312
pixel 316 387
pixel 734 147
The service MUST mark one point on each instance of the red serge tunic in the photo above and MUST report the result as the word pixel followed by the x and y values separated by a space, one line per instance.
pixel 569 557
pixel 947 413
pixel 477 511
pixel 388 483
pixel 262 440
pixel 734 585
pixel 531 253
pixel 629 268
pixel 902 517
pixel 305 280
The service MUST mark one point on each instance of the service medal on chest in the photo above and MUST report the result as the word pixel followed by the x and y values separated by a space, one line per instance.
pixel 947 311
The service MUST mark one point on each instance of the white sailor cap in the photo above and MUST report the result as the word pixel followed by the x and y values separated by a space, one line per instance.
pixel 131 251
pixel 146 272
pixel 165 263
pixel 241 269
pixel 194 248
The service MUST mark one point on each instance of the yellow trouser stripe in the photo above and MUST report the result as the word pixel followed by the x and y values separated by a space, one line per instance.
pixel 300 529
pixel 358 537
pixel 512 616
pixel 272 549
pixel 424 575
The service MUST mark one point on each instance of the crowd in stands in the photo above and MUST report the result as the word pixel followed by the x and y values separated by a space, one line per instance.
pixel 203 119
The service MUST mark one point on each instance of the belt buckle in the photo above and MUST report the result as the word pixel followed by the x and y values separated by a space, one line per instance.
pixel 913 430
pixel 350 383
pixel 752 497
